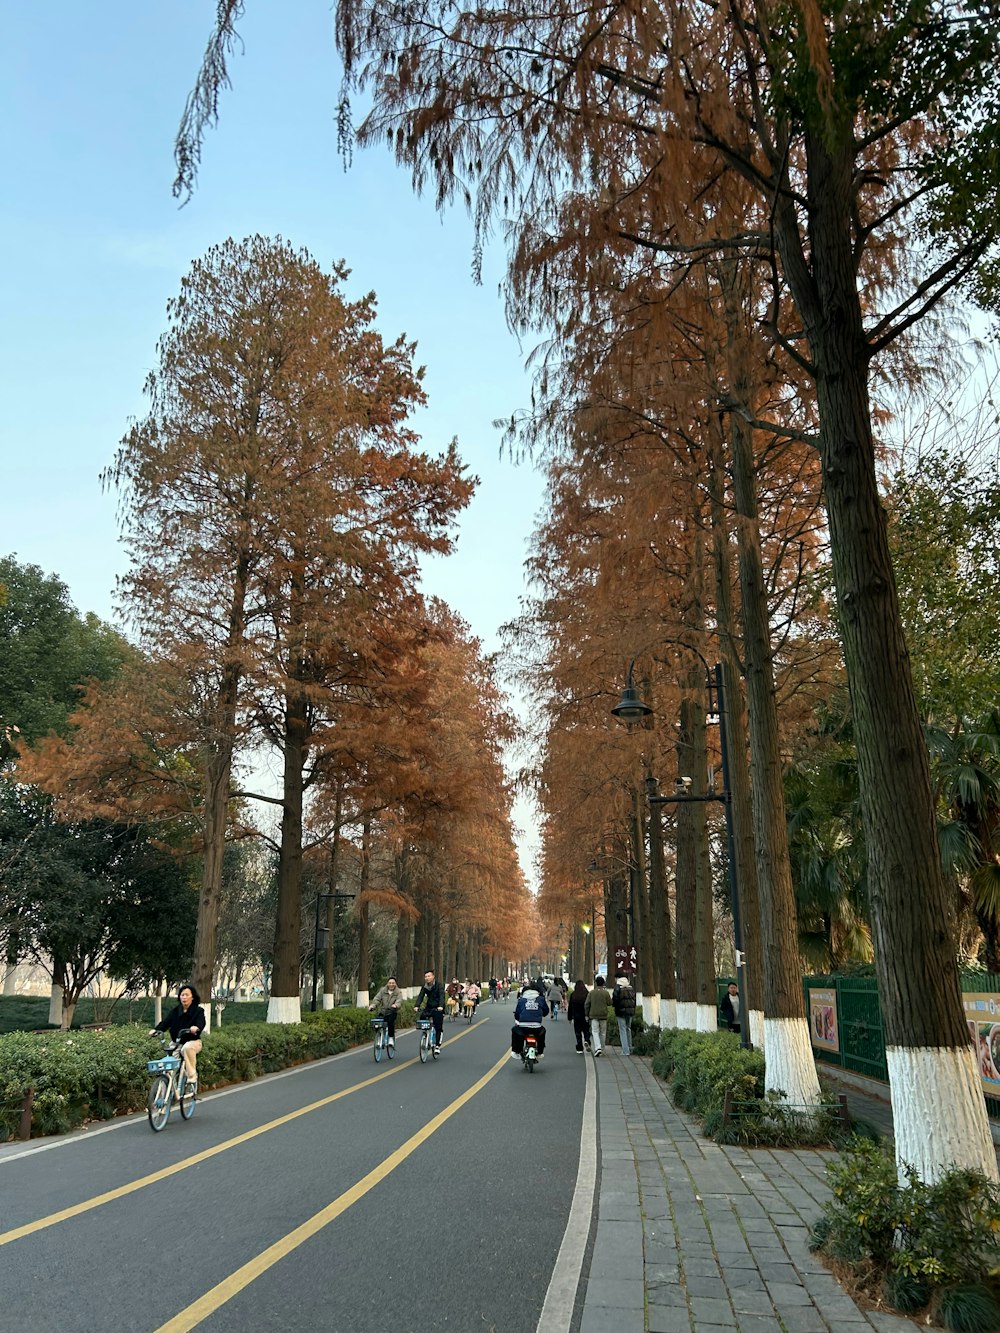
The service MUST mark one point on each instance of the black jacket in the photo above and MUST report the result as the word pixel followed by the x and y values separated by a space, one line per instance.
pixel 726 1010
pixel 179 1019
pixel 434 995
pixel 623 1001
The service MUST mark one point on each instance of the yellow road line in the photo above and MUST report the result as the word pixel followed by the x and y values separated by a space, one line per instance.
pixel 85 1206
pixel 231 1286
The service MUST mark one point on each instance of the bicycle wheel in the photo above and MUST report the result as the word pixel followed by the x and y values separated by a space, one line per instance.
pixel 189 1095
pixel 379 1039
pixel 425 1046
pixel 390 1049
pixel 158 1105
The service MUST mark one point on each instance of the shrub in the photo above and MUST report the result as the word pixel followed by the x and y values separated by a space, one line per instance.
pixel 81 1076
pixel 702 1067
pixel 915 1243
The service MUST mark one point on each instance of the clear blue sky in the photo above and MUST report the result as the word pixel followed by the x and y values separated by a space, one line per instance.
pixel 94 245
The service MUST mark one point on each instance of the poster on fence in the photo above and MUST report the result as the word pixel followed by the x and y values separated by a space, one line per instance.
pixel 823 1020
pixel 982 1013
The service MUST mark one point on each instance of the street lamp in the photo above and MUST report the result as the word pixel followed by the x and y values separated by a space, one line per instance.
pixel 321 943
pixel 630 709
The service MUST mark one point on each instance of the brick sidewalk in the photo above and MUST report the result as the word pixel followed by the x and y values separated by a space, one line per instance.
pixel 693 1237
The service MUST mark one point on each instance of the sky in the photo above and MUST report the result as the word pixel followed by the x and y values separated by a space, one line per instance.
pixel 94 245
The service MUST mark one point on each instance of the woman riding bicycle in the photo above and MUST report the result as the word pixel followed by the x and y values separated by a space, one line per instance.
pixel 185 1023
pixel 387 1004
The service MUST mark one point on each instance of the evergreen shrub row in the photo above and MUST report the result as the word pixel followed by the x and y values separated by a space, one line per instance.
pixel 914 1246
pixel 701 1067
pixel 82 1076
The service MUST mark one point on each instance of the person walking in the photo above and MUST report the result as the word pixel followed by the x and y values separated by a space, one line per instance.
pixel 730 1007
pixel 623 1003
pixel 576 1013
pixel 597 1006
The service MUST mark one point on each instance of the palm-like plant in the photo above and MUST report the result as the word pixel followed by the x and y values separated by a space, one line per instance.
pixel 966 768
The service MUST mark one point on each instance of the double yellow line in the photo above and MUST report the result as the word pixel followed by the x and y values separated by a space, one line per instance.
pixel 231 1286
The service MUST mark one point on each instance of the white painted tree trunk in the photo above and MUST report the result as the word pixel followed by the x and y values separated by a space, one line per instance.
pixel 938 1112
pixel 650 1010
pixel 705 1020
pixel 10 981
pixel 157 1009
pixel 668 1013
pixel 56 1005
pixel 362 1000
pixel 757 1029
pixel 790 1066
pixel 327 999
pixel 284 1009
pixel 687 1015
pixel 239 995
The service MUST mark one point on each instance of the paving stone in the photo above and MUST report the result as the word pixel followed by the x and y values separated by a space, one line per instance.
pixel 757 1323
pixel 595 1320
pixel 626 1266
pixel 751 1302
pixel 617 1293
pixel 666 1293
pixel 666 1319
pixel 744 1279
pixel 774 1272
pixel 711 1311
pixel 788 1294
pixel 807 1319
pixel 702 1266
pixel 712 1287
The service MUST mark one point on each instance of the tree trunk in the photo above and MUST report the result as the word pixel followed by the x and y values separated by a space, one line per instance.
pixel 790 1066
pixel 284 1005
pixel 938 1109
pixel 645 981
pixel 751 976
pixel 686 876
pixel 365 883
pixel 333 875
pixel 218 772
pixel 659 910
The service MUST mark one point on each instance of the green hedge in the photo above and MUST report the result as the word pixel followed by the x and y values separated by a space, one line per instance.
pixel 701 1067
pixel 83 1076
pixel 26 1013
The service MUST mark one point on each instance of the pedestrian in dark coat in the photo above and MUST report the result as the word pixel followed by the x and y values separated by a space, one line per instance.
pixel 576 1012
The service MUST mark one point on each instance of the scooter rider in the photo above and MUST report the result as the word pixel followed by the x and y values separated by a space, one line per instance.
pixel 529 1011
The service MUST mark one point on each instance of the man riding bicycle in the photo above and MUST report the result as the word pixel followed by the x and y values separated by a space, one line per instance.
pixel 387 1005
pixel 431 994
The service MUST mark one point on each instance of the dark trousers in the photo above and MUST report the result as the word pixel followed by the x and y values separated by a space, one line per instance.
pixel 582 1030
pixel 437 1018
pixel 390 1021
pixel 517 1038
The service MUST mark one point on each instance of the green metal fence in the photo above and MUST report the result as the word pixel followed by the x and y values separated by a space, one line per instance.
pixel 859 1023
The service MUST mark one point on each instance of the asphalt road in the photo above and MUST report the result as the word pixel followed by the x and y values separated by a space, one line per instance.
pixel 344 1196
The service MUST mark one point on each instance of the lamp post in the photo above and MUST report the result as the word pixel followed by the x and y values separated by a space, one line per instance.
pixel 630 709
pixel 322 944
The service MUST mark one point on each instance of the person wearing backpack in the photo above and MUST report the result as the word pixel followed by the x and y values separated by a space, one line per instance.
pixel 623 1003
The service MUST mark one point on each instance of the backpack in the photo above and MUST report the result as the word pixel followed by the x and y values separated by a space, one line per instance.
pixel 626 1001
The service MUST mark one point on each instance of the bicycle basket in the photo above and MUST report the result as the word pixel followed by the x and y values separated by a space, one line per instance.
pixel 423 1024
pixel 163 1065
pixel 378 1022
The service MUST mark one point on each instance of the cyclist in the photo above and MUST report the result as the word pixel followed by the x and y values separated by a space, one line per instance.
pixel 471 996
pixel 185 1022
pixel 387 1004
pixel 529 1011
pixel 453 991
pixel 431 994
pixel 494 987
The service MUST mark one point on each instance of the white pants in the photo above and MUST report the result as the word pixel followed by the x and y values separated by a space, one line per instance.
pixel 598 1033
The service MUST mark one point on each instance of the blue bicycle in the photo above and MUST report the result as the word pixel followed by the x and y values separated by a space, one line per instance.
pixel 381 1042
pixel 428 1046
pixel 170 1087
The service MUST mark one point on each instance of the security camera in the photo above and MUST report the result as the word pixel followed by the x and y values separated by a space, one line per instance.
pixel 682 784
